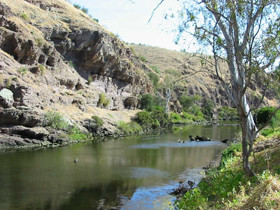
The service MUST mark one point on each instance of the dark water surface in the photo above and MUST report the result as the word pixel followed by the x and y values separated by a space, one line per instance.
pixel 128 173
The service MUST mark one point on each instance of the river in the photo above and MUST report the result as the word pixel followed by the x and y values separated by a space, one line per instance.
pixel 128 173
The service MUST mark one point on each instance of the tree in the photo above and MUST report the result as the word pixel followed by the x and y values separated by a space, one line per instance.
pixel 244 34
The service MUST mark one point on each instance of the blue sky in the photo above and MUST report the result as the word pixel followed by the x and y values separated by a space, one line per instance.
pixel 129 19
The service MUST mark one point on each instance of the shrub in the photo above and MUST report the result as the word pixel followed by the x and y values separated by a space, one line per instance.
pixel 145 119
pixel 129 128
pixel 55 120
pixel 188 101
pixel 71 64
pixel 22 71
pixel 76 134
pixel 227 113
pixel 142 58
pixel 266 132
pixel 90 80
pixel 103 101
pixel 188 116
pixel 42 69
pixel 147 102
pixel 263 115
pixel 230 152
pixel 24 16
pixel 77 6
pixel 208 107
pixel 173 72
pixel 98 121
pixel 154 78
pixel 175 118
pixel 40 41
pixel 161 116
pixel 156 69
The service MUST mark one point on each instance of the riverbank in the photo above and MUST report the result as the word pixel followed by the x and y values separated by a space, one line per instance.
pixel 227 187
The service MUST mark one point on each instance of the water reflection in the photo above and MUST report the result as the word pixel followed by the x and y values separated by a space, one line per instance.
pixel 108 174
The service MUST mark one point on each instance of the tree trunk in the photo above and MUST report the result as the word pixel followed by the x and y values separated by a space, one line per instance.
pixel 249 132
pixel 168 97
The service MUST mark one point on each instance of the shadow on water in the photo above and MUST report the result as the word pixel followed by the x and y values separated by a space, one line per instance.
pixel 132 171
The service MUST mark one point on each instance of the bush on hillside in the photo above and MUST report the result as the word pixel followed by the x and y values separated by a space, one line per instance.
pixel 188 101
pixel 175 118
pixel 161 117
pixel 145 119
pixel 103 101
pixel 263 115
pixel 227 113
pixel 98 121
pixel 154 78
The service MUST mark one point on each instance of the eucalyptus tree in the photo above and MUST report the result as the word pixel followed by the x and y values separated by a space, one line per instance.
pixel 244 35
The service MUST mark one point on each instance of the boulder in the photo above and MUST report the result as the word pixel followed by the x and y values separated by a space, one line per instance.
pixel 6 98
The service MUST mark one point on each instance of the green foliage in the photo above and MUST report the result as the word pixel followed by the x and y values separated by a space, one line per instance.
pixel 173 72
pixel 85 10
pixel 90 80
pixel 77 6
pixel 56 121
pixel 24 16
pixel 208 107
pixel 193 200
pixel 22 70
pixel 263 115
pixel 230 152
pixel 42 69
pixel 227 113
pixel 188 101
pixel 175 118
pixel 156 69
pixel 145 119
pixel 188 116
pixel 219 184
pixel 154 78
pixel 129 128
pixel 75 133
pixel 267 132
pixel 98 121
pixel 161 117
pixel 71 64
pixel 40 41
pixel 103 101
pixel 142 58
pixel 147 101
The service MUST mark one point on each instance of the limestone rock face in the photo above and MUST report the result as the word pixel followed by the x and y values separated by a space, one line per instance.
pixel 6 98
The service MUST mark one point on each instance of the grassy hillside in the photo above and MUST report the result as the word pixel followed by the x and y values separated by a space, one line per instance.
pixel 189 74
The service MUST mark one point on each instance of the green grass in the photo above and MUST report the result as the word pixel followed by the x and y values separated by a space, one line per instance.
pixel 22 70
pixel 227 187
pixel 129 128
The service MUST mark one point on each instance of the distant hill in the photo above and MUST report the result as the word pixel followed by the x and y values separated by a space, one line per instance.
pixel 190 75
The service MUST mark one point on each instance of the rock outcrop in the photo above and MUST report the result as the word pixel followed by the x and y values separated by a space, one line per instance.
pixel 55 57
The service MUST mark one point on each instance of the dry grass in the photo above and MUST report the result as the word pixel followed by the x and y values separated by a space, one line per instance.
pixel 192 74
pixel 61 12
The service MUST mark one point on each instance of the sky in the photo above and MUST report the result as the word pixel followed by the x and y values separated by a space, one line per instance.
pixel 129 20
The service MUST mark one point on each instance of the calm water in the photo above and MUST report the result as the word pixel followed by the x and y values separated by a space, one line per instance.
pixel 127 173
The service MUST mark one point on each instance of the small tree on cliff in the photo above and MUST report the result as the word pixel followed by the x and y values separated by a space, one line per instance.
pixel 244 34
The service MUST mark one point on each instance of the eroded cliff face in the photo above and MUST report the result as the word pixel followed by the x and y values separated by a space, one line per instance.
pixel 55 57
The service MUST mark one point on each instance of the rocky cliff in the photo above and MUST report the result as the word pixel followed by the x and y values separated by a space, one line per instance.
pixel 55 57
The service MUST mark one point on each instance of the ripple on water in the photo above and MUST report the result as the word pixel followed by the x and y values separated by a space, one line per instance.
pixel 178 145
